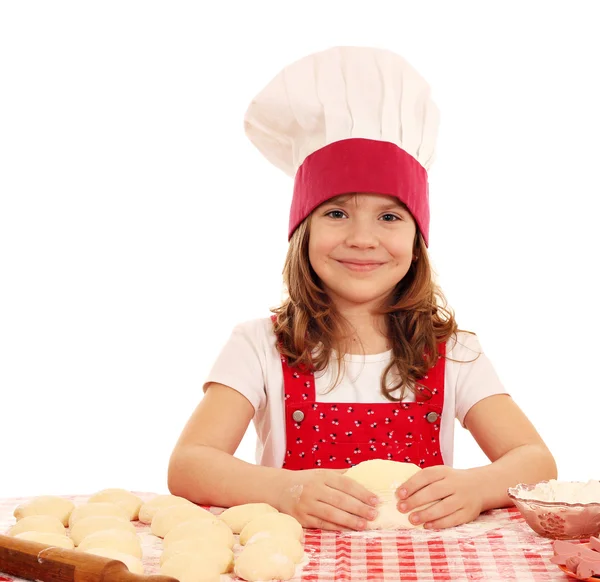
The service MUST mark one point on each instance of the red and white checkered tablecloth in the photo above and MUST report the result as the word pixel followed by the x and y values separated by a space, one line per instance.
pixel 497 546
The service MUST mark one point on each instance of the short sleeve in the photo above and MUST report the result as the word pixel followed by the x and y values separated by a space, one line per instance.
pixel 476 377
pixel 239 365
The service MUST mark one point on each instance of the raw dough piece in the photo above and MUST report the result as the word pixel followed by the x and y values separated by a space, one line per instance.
pixel 130 502
pixel 191 545
pixel 48 539
pixel 383 477
pixel 100 508
pixel 133 564
pixel 167 518
pixel 119 540
pixel 215 529
pixel 239 516
pixel 282 544
pixel 46 505
pixel 148 510
pixel 45 523
pixel 88 525
pixel 261 562
pixel 277 523
pixel 190 566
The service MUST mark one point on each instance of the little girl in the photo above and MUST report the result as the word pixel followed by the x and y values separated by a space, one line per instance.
pixel 362 360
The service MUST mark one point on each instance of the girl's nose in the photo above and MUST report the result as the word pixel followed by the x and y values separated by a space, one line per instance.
pixel 361 235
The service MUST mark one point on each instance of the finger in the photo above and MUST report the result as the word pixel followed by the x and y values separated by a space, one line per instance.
pixel 346 502
pixel 312 522
pixel 419 480
pixel 457 518
pixel 430 493
pixel 326 513
pixel 351 487
pixel 437 511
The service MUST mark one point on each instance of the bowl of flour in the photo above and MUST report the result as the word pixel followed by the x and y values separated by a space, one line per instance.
pixel 561 510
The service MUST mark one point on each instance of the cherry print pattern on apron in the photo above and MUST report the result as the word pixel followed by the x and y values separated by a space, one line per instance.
pixel 341 435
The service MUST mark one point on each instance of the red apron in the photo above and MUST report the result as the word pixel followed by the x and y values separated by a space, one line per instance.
pixel 341 435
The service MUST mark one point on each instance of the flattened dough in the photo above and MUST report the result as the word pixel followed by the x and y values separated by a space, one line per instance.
pixel 282 544
pixel 43 523
pixel 167 518
pixel 215 529
pixel 48 539
pixel 130 502
pixel 88 525
pixel 99 508
pixel 277 523
pixel 383 477
pixel 133 564
pixel 149 509
pixel 262 562
pixel 190 545
pixel 119 540
pixel 46 505
pixel 239 516
pixel 198 565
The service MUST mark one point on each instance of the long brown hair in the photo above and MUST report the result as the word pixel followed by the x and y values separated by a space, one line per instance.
pixel 417 315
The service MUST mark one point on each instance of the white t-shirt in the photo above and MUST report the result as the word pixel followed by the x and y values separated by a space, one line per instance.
pixel 250 363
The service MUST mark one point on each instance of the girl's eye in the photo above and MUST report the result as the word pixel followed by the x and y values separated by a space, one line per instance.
pixel 390 217
pixel 337 214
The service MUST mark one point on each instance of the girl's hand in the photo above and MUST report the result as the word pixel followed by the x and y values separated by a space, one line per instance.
pixel 325 499
pixel 458 493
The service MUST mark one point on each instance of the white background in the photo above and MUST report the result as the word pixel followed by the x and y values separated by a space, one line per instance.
pixel 138 225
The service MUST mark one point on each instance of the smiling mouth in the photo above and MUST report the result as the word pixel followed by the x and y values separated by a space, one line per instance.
pixel 361 267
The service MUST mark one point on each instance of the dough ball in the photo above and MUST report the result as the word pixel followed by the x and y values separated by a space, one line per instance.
pixel 100 508
pixel 167 518
pixel 239 516
pixel 277 523
pixel 133 564
pixel 215 529
pixel 119 540
pixel 46 505
pixel 282 544
pixel 199 546
pixel 88 525
pixel 130 502
pixel 261 562
pixel 43 523
pixel 149 509
pixel 382 478
pixel 191 566
pixel 48 539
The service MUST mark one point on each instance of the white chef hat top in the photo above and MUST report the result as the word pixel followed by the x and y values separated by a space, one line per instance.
pixel 348 119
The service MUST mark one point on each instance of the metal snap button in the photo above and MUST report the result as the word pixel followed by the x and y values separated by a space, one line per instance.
pixel 298 415
pixel 432 417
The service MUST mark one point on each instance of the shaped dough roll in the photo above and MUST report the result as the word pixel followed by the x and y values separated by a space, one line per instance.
pixel 46 505
pixel 130 502
pixel 88 525
pixel 48 539
pixel 149 509
pixel 276 523
pixel 41 523
pixel 99 508
pixel 167 518
pixel 239 516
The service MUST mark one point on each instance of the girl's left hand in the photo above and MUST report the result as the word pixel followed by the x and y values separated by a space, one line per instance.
pixel 458 492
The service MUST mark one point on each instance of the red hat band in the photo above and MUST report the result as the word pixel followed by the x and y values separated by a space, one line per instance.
pixel 361 165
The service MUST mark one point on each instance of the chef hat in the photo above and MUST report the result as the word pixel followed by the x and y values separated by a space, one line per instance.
pixel 348 119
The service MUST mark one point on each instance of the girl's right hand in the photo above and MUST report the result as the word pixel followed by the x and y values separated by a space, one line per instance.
pixel 326 499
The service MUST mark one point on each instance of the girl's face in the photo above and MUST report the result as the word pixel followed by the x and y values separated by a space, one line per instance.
pixel 361 246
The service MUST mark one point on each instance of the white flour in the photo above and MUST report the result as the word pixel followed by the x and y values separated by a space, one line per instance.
pixel 565 491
